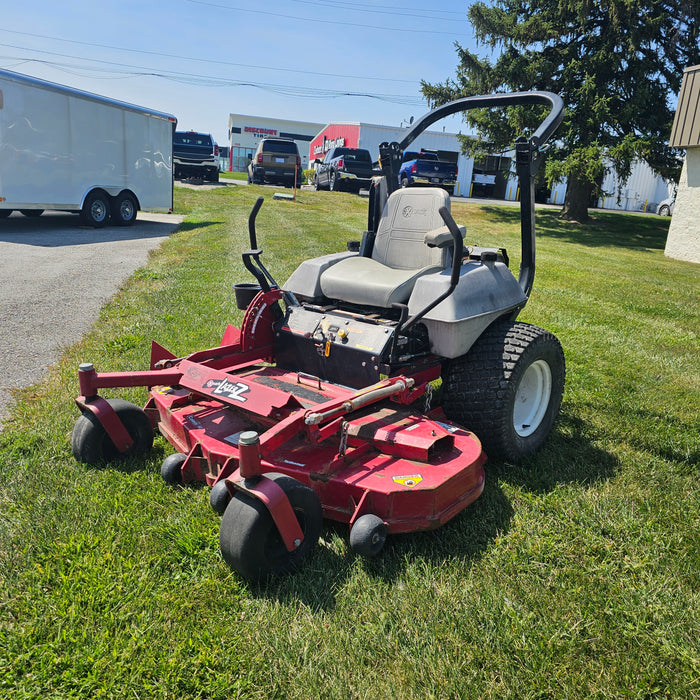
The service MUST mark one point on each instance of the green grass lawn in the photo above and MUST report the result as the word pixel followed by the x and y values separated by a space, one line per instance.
pixel 575 575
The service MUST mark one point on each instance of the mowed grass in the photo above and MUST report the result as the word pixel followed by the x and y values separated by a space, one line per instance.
pixel 575 575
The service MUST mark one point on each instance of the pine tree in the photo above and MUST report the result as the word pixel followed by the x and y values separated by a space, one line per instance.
pixel 618 65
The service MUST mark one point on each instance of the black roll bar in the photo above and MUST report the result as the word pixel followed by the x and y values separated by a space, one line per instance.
pixel 528 156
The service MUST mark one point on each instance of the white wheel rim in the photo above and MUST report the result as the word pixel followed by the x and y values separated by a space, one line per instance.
pixel 532 398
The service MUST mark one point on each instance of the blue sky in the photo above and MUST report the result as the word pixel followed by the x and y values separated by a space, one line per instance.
pixel 203 59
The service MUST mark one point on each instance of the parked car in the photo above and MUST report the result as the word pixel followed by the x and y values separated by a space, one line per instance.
pixel 344 169
pixel 275 160
pixel 195 155
pixel 426 168
pixel 665 207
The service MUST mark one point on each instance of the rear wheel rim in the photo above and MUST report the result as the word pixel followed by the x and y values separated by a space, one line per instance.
pixel 126 210
pixel 532 398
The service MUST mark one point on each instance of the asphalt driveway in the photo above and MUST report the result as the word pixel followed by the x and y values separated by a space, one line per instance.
pixel 55 276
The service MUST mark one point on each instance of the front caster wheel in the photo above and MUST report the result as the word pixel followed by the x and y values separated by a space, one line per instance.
pixel 171 469
pixel 91 444
pixel 368 535
pixel 249 539
pixel 219 497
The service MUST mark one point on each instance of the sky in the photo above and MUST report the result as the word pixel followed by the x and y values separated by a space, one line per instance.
pixel 201 60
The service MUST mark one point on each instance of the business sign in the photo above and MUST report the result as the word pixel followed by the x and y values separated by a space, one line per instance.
pixel 334 136
pixel 259 131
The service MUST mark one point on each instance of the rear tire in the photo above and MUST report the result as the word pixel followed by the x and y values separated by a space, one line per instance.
pixel 507 389
pixel 32 213
pixel 124 209
pixel 250 542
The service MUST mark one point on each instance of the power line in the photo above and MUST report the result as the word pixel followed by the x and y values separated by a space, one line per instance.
pixel 218 6
pixel 194 58
pixel 383 9
pixel 214 81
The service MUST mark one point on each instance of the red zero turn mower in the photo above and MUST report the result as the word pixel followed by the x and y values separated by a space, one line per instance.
pixel 322 403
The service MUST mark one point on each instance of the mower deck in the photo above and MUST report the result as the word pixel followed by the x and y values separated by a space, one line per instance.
pixel 412 470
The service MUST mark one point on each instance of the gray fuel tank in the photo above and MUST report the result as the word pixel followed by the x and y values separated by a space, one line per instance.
pixel 486 290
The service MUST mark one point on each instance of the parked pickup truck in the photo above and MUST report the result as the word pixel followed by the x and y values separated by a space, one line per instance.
pixel 195 155
pixel 344 169
pixel 422 168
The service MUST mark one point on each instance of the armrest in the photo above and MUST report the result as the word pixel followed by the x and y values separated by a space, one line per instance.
pixel 441 237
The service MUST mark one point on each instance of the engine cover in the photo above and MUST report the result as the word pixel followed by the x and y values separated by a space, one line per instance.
pixel 334 346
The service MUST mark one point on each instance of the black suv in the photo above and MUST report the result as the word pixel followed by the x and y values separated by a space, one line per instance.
pixel 275 160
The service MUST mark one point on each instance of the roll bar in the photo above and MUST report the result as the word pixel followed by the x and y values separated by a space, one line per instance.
pixel 528 156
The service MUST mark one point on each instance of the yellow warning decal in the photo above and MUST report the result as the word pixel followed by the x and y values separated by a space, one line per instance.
pixel 408 480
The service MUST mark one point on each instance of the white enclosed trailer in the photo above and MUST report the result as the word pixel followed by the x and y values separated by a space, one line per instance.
pixel 70 150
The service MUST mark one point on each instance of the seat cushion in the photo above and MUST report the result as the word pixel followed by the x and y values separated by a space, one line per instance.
pixel 365 281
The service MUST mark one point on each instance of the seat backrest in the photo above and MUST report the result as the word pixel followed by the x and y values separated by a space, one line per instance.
pixel 408 215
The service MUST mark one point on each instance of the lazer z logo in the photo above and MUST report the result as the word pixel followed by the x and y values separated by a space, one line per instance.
pixel 231 390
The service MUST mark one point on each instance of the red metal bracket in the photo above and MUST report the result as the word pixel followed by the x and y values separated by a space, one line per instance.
pixel 275 500
pixel 109 420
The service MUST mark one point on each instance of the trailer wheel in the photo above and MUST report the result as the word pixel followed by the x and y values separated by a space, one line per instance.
pixel 250 542
pixel 91 444
pixel 123 209
pixel 507 389
pixel 96 209
pixel 171 468
pixel 368 535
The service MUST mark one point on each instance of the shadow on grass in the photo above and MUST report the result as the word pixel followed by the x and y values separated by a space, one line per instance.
pixel 192 225
pixel 644 232
pixel 569 457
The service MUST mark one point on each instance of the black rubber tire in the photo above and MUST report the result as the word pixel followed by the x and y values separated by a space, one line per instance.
pixel 334 182
pixel 483 388
pixel 91 444
pixel 250 542
pixel 96 209
pixel 123 209
pixel 171 468
pixel 368 535
pixel 219 497
pixel 4 213
pixel 665 210
pixel 316 185
pixel 404 182
pixel 32 213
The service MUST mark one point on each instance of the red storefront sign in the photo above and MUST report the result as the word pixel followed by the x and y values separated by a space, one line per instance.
pixel 334 136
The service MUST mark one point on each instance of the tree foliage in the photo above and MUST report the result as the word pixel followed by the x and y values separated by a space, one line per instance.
pixel 617 64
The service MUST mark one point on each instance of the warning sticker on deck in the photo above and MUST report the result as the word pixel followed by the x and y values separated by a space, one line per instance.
pixel 408 480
